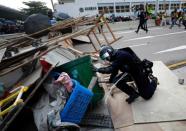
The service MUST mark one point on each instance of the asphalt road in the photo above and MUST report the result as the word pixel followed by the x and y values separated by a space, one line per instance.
pixel 160 43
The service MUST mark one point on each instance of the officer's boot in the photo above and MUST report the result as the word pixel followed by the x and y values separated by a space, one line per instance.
pixel 129 91
pixel 131 98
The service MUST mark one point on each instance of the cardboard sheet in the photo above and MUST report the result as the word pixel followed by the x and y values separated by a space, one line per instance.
pixel 168 102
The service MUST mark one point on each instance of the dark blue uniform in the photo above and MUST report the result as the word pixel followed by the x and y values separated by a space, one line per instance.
pixel 126 61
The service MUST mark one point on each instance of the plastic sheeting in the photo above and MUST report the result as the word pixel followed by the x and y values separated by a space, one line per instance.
pixel 47 109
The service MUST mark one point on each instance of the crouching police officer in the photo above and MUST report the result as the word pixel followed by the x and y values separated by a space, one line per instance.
pixel 125 61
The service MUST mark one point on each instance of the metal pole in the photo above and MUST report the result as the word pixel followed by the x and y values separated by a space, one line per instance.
pixel 165 7
pixel 52 4
pixel 157 6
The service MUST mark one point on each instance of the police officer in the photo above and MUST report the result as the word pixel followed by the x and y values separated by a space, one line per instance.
pixel 125 60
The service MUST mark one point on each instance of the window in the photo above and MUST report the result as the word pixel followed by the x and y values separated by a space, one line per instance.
pixel 123 8
pixel 90 8
pixel 167 6
pixel 161 7
pixel 137 7
pixel 183 5
pixel 66 1
pixel 127 8
pixel 106 9
pixel 111 9
pixel 100 10
pixel 175 6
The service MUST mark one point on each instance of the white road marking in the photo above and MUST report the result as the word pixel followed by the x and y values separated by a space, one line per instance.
pixel 138 45
pixel 148 37
pixel 132 31
pixel 172 49
pixel 139 38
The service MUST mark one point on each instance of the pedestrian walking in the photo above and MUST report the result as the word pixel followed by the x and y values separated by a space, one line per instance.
pixel 163 19
pixel 142 20
pixel 180 18
pixel 174 17
pixel 101 22
pixel 184 19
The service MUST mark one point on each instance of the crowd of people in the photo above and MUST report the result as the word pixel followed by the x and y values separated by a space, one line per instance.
pixel 8 26
pixel 113 18
pixel 176 18
pixel 162 19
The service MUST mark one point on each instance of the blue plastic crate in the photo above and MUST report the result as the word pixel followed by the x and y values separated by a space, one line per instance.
pixel 77 104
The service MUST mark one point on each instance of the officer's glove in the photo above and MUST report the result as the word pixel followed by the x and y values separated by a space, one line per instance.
pixel 100 70
pixel 94 69
pixel 111 80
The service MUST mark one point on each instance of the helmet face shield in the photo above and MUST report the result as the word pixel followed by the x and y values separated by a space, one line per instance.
pixel 106 52
pixel 105 56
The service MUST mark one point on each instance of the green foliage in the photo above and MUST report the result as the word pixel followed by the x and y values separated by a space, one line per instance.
pixel 35 7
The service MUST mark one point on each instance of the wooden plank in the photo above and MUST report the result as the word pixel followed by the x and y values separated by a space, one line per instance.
pixel 76 51
pixel 2 52
pixel 82 38
pixel 68 42
pixel 102 33
pixel 32 78
pixel 121 111
pixel 61 25
pixel 96 37
pixel 163 126
pixel 173 126
pixel 26 62
pixel 38 85
pixel 105 21
pixel 142 127
pixel 92 82
pixel 167 104
pixel 92 43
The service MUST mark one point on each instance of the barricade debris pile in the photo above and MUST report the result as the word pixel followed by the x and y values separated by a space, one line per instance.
pixel 27 63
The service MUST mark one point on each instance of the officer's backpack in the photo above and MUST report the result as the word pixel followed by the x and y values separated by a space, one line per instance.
pixel 145 64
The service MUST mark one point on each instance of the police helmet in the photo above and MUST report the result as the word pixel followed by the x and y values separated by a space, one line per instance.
pixel 106 52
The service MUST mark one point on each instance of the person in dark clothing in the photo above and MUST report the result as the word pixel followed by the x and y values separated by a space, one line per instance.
pixel 125 61
pixel 174 17
pixel 142 20
pixel 184 19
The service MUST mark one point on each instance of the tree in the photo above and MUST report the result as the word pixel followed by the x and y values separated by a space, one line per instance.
pixel 35 7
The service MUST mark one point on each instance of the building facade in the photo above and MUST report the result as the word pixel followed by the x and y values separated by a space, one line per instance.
pixel 76 8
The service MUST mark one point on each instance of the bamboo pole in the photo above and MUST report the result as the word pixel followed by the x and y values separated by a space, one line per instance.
pixel 68 43
pixel 53 43
pixel 10 117
pixel 64 24
pixel 24 63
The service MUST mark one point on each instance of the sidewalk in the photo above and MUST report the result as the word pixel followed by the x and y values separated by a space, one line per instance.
pixel 129 25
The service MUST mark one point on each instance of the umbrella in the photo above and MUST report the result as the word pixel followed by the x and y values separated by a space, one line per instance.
pixel 61 16
pixel 35 23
